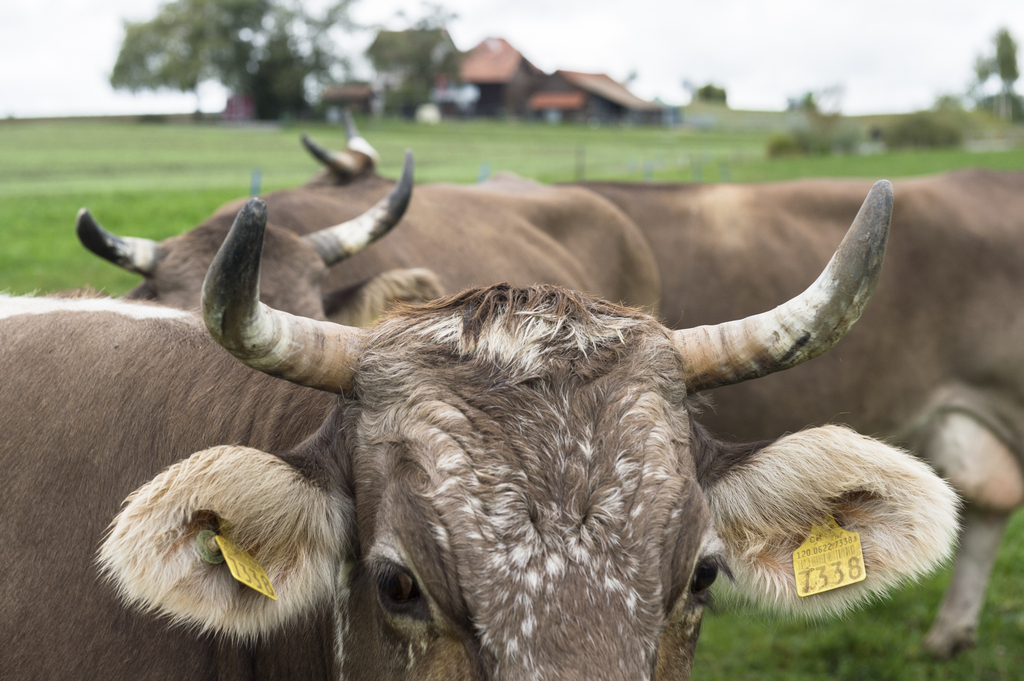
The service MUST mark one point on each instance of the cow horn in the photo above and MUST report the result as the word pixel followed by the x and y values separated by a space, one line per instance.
pixel 316 354
pixel 357 142
pixel 133 254
pixel 341 241
pixel 358 157
pixel 804 327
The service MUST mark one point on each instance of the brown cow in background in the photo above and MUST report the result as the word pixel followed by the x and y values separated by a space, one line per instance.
pixel 937 362
pixel 521 233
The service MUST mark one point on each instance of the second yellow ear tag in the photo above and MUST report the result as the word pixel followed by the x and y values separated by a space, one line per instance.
pixel 830 558
pixel 244 567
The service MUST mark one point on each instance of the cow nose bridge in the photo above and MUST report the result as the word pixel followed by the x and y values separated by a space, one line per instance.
pixel 583 663
pixel 584 635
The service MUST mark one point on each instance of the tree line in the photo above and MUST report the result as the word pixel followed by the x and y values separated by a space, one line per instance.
pixel 275 51
pixel 281 55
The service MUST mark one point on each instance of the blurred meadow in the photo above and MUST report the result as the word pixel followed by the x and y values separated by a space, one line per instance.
pixel 156 179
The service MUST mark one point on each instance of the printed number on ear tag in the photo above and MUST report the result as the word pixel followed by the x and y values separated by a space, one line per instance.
pixel 830 558
pixel 244 567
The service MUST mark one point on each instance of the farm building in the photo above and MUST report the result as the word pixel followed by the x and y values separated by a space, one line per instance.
pixel 356 96
pixel 584 97
pixel 504 77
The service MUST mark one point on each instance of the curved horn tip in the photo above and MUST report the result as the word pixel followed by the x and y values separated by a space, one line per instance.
pixel 86 227
pixel 403 191
pixel 408 168
pixel 860 254
pixel 880 197
pixel 877 206
pixel 92 235
pixel 233 280
pixel 254 209
pixel 134 254
pixel 319 153
pixel 341 241
pixel 351 131
pixel 247 232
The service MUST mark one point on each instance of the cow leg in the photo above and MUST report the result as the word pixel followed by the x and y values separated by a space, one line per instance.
pixel 983 469
pixel 956 624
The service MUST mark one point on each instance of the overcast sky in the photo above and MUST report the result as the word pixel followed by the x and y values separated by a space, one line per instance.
pixel 893 56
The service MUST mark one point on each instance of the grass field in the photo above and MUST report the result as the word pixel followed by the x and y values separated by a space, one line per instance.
pixel 158 180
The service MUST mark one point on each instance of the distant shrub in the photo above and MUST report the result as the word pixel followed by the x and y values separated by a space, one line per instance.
pixel 814 141
pixel 783 145
pixel 936 128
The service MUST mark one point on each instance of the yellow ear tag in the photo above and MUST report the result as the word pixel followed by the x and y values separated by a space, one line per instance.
pixel 244 567
pixel 830 558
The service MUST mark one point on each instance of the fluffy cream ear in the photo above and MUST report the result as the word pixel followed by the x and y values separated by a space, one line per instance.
pixel 764 508
pixel 295 530
pixel 373 298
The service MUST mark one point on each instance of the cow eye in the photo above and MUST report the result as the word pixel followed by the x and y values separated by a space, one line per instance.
pixel 400 593
pixel 401 587
pixel 703 577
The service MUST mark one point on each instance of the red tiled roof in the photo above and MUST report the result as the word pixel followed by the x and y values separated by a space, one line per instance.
pixel 603 86
pixel 492 61
pixel 540 101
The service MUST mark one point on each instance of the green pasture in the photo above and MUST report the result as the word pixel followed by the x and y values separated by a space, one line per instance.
pixel 157 180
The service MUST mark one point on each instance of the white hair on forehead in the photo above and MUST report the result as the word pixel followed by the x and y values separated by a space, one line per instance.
pixel 526 339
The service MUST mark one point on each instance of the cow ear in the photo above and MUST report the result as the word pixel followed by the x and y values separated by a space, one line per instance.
pixel 763 510
pixel 296 530
pixel 361 305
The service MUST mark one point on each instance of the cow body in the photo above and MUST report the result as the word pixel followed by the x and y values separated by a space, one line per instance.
pixel 512 230
pixel 130 389
pixel 936 362
pixel 451 237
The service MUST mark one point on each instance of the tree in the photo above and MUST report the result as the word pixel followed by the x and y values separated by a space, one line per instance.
pixel 409 63
pixel 272 50
pixel 1004 65
pixel 710 93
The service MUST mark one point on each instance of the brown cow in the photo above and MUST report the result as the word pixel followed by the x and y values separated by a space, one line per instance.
pixel 297 266
pixel 937 362
pixel 98 395
pixel 522 233
pixel 511 484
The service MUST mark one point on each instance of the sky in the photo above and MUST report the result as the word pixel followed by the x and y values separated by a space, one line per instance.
pixel 888 57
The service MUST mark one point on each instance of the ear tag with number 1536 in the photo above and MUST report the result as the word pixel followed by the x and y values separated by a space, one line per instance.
pixel 829 558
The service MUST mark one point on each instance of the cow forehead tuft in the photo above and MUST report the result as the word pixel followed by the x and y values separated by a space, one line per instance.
pixel 519 329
